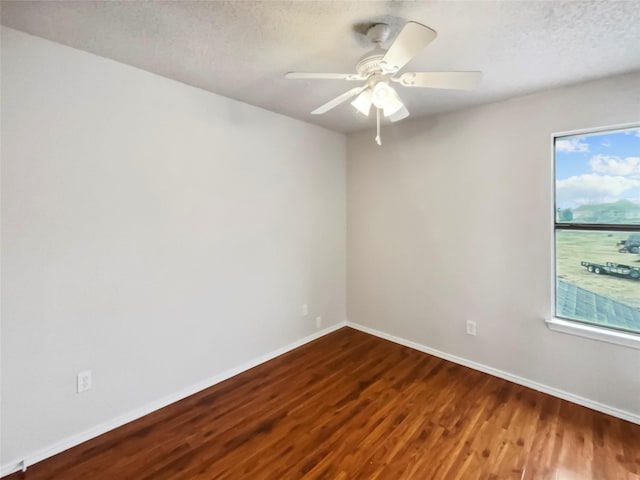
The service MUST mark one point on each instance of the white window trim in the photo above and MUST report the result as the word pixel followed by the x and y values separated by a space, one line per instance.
pixel 594 332
pixel 572 327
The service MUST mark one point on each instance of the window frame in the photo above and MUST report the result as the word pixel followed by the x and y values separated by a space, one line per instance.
pixel 577 327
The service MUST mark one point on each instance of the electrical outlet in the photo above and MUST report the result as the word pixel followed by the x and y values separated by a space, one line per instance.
pixel 84 381
pixel 318 322
pixel 305 309
pixel 471 327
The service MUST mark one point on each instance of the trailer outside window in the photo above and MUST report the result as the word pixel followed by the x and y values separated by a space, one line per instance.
pixel 597 228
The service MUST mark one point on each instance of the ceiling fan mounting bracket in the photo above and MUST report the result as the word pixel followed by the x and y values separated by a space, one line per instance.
pixel 378 33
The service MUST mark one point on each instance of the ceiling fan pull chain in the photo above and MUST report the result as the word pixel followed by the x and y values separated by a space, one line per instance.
pixel 378 139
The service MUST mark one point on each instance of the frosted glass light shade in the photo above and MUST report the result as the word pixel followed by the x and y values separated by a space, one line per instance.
pixel 362 103
pixel 386 98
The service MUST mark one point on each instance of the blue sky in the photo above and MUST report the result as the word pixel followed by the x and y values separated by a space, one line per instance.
pixel 598 168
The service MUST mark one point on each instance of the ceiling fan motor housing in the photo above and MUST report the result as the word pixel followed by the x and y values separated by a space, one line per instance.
pixel 371 62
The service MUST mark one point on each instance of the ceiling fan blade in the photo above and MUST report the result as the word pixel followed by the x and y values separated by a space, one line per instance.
pixel 399 115
pixel 449 80
pixel 413 38
pixel 338 100
pixel 323 76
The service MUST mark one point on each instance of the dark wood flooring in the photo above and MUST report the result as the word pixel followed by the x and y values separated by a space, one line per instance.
pixel 353 406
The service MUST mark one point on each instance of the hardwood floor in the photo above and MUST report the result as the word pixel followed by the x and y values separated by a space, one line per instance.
pixel 353 406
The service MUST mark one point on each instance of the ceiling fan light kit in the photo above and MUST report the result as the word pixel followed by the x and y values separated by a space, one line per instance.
pixel 378 68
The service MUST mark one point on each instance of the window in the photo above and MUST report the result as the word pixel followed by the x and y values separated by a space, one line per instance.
pixel 597 231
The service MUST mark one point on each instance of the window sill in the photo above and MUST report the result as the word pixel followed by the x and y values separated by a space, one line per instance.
pixel 593 332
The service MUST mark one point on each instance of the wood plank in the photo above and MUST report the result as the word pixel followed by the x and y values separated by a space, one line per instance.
pixel 353 406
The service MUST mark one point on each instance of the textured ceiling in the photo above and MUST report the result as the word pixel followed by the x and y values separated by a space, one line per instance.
pixel 242 49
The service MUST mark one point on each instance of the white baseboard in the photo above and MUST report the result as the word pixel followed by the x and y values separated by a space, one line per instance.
pixel 72 441
pixel 585 402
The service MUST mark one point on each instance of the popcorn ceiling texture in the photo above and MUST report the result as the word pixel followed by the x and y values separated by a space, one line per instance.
pixel 242 49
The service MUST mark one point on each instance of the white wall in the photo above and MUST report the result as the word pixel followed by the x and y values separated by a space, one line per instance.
pixel 450 220
pixel 152 232
pixel 160 235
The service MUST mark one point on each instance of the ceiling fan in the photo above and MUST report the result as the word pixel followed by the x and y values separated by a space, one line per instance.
pixel 379 67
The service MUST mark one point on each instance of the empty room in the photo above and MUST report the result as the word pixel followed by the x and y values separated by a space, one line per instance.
pixel 320 240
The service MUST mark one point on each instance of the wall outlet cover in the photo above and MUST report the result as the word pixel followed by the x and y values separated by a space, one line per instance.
pixel 84 381
pixel 471 327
